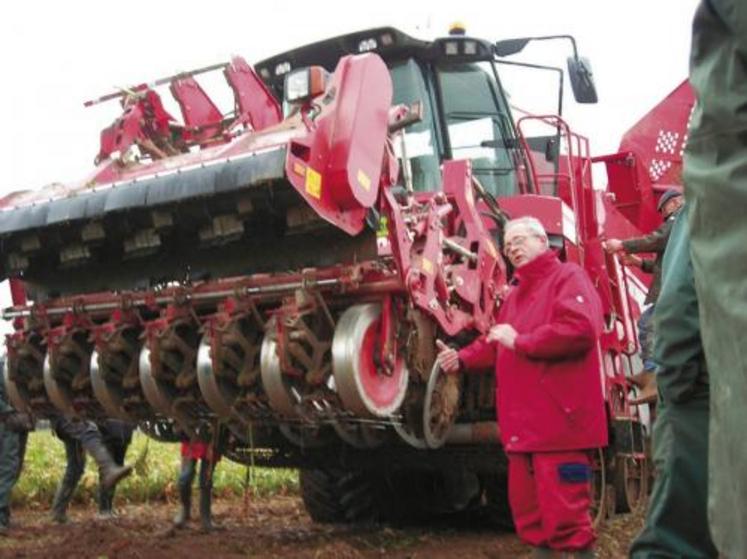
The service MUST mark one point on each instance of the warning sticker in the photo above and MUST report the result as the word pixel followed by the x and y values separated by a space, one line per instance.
pixel 313 183
pixel 363 180
pixel 427 266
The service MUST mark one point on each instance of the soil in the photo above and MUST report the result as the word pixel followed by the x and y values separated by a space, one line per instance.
pixel 267 528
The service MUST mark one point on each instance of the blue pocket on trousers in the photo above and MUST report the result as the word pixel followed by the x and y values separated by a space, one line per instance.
pixel 573 472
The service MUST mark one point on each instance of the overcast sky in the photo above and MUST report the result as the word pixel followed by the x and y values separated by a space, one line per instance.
pixel 55 55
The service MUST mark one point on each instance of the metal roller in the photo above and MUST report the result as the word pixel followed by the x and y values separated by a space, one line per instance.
pixel 274 383
pixel 58 394
pixel 154 392
pixel 218 395
pixel 109 398
pixel 13 391
pixel 363 388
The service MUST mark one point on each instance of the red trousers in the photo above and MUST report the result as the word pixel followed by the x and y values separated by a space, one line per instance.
pixel 550 495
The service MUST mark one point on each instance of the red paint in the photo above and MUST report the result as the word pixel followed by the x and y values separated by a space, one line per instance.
pixel 549 389
pixel 547 511
pixel 382 389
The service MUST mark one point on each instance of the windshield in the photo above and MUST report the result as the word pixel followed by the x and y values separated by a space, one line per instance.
pixel 420 138
pixel 478 123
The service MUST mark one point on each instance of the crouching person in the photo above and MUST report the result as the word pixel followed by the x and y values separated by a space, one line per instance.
pixel 549 393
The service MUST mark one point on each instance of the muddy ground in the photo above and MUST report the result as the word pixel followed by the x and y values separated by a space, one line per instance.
pixel 267 528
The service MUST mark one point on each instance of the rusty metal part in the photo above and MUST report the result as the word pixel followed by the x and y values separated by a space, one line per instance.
pixel 114 372
pixel 481 432
pixel 154 393
pixel 228 365
pixel 58 393
pixel 109 398
pixel 24 373
pixel 67 375
pixel 280 395
pixel 441 406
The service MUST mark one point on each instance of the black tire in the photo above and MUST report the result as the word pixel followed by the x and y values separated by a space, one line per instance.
pixel 497 507
pixel 338 496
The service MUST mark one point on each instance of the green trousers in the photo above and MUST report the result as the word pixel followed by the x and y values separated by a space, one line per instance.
pixel 676 524
pixel 12 451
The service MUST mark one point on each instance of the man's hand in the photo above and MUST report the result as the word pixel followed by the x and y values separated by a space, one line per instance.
pixel 504 334
pixel 631 260
pixel 447 358
pixel 645 382
pixel 613 245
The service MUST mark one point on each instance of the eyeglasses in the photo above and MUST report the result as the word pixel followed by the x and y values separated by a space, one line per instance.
pixel 516 241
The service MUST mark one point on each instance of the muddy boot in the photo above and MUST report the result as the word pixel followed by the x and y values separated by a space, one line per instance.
pixel 206 517
pixel 106 510
pixel 185 496
pixel 4 521
pixel 109 472
pixel 62 498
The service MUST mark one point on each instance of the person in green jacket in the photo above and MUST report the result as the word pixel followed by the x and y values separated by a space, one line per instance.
pixel 669 205
pixel 14 428
pixel 715 176
pixel 676 523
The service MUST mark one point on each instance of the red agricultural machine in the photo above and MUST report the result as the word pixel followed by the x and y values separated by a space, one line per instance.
pixel 284 270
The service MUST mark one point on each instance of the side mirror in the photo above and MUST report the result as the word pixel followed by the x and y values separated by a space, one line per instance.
pixel 582 80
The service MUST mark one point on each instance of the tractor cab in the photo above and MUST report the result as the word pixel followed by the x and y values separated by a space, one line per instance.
pixel 466 113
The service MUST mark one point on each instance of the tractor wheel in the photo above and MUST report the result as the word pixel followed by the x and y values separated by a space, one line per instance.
pixel 339 496
pixel 496 502
pixel 631 483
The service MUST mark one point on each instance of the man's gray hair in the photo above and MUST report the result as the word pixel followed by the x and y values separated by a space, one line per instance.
pixel 530 223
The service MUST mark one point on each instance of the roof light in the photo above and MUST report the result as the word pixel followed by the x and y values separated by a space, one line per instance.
pixel 470 47
pixel 264 72
pixel 282 68
pixel 457 28
pixel 387 40
pixel 367 44
pixel 451 48
pixel 305 83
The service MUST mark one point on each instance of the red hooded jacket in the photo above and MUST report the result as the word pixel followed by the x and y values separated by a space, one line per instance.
pixel 549 388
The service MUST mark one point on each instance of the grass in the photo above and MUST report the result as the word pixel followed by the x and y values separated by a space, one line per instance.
pixel 154 478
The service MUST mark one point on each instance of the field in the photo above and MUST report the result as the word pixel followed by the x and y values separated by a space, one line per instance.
pixel 154 479
pixel 259 515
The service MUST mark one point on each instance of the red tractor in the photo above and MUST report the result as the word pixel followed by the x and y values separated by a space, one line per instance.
pixel 284 270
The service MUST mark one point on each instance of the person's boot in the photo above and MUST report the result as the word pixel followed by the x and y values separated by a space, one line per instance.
pixel 106 509
pixel 206 517
pixel 4 521
pixel 62 498
pixel 185 497
pixel 110 473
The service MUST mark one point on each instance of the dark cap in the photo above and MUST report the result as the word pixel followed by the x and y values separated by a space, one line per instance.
pixel 666 197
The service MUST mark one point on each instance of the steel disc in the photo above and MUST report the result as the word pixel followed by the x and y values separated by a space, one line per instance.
pixel 441 406
pixel 109 398
pixel 274 383
pixel 365 390
pixel 58 394
pixel 153 391
pixel 13 392
pixel 218 396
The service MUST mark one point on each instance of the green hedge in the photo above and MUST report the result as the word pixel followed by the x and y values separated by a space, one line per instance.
pixel 156 470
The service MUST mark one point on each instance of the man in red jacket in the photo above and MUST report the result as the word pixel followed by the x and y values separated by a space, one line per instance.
pixel 550 400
